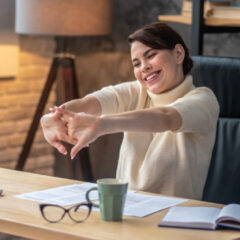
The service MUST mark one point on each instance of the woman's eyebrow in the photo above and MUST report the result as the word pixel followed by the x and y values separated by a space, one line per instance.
pixel 147 51
pixel 144 54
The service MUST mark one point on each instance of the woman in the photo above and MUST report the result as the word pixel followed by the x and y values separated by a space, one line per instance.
pixel 169 125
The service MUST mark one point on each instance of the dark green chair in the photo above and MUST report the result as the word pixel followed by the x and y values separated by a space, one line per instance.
pixel 222 75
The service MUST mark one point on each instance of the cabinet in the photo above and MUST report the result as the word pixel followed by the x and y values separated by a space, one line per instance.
pixel 201 25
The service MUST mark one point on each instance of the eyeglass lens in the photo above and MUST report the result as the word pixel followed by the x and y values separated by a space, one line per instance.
pixel 79 213
pixel 53 213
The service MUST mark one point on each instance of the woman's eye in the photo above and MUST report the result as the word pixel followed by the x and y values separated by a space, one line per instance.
pixel 136 65
pixel 152 55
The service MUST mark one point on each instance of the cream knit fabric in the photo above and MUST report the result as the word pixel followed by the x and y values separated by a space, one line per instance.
pixel 171 163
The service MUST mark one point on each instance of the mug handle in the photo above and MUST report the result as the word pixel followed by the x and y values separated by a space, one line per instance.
pixel 88 199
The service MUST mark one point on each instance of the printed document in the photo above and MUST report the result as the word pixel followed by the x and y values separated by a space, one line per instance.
pixel 137 204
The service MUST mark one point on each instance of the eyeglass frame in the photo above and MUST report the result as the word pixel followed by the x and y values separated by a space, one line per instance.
pixel 66 210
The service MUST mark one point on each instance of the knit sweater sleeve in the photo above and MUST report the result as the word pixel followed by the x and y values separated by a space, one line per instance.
pixel 119 98
pixel 199 110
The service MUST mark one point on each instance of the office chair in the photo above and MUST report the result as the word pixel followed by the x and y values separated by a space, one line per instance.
pixel 222 75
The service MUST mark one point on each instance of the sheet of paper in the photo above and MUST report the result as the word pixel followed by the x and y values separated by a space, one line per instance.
pixel 63 196
pixel 137 204
pixel 141 205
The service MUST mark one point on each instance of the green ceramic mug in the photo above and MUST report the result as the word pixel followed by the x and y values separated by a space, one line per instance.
pixel 112 194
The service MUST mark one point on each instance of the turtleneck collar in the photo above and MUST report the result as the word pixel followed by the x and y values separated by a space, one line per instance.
pixel 172 95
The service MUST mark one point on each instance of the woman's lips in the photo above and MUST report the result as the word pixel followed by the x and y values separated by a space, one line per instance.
pixel 152 76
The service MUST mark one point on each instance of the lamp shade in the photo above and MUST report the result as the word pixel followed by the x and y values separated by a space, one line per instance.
pixel 63 17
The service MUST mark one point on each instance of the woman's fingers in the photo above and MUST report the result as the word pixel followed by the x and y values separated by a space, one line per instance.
pixel 55 128
pixel 66 138
pixel 59 147
pixel 76 149
pixel 57 115
pixel 65 113
pixel 70 129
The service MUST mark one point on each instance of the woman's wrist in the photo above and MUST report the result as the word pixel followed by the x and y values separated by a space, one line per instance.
pixel 110 124
pixel 101 125
pixel 105 125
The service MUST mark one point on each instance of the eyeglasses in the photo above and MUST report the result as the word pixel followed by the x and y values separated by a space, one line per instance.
pixel 55 213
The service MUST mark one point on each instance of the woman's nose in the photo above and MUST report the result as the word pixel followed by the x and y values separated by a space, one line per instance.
pixel 146 67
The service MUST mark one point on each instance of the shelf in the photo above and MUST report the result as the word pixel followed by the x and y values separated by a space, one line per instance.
pixel 210 21
pixel 204 21
pixel 175 19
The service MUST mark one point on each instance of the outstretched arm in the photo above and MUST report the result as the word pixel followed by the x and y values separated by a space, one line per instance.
pixel 86 128
pixel 157 119
pixel 89 105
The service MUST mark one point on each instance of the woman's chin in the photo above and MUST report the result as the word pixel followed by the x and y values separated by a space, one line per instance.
pixel 155 89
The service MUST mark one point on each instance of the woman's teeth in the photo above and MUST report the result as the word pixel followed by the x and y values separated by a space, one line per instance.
pixel 152 76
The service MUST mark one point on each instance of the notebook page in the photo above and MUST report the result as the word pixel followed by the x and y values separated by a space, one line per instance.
pixel 230 212
pixel 196 217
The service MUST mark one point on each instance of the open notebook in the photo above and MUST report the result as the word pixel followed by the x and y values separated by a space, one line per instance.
pixel 203 217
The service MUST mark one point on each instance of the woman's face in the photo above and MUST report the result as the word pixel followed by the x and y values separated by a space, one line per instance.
pixel 157 70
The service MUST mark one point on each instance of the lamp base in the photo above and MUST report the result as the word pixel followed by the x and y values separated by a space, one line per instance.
pixel 69 92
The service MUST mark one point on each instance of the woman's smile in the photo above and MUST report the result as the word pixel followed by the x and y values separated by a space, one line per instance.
pixel 152 76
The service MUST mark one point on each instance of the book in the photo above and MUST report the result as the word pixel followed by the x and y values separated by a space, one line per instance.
pixel 203 217
pixel 224 12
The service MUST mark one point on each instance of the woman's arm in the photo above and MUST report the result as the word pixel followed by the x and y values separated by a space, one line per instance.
pixel 86 128
pixel 89 105
pixel 157 119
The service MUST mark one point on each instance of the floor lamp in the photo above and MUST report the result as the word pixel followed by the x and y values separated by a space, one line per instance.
pixel 61 19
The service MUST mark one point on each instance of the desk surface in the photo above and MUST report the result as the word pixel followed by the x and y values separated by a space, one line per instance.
pixel 22 217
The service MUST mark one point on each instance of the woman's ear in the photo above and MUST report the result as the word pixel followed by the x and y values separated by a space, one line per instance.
pixel 179 53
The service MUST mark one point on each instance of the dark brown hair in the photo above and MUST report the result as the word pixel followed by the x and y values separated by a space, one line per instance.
pixel 160 36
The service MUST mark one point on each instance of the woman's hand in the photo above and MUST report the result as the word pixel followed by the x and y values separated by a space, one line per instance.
pixel 55 131
pixel 82 127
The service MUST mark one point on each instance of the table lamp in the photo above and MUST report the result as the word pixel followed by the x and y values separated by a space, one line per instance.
pixel 61 19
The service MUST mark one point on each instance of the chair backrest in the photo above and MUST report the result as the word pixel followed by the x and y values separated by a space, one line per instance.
pixel 222 75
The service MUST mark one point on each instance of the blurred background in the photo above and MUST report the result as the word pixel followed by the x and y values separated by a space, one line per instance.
pixel 100 61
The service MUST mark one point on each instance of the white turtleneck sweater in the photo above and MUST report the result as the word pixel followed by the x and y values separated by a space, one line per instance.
pixel 172 162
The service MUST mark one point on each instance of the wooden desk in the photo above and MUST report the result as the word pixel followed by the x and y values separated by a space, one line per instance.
pixel 22 217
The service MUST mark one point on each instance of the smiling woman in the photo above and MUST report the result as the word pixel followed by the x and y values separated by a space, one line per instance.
pixel 169 125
